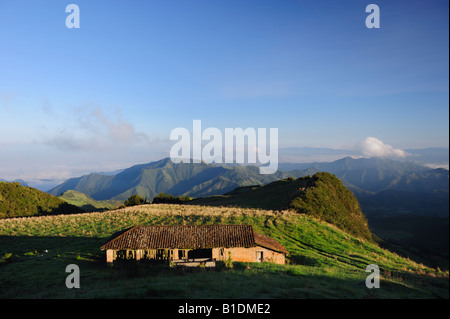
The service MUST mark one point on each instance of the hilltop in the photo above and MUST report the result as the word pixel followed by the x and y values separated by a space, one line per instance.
pixel 322 196
pixel 19 201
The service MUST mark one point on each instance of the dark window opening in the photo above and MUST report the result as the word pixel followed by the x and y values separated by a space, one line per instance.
pixel 181 254
pixel 200 253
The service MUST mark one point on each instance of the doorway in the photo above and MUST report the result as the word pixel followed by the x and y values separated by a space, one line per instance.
pixel 259 256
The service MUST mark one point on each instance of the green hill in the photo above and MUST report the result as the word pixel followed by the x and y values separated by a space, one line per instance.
pixel 323 196
pixel 20 201
pixel 87 203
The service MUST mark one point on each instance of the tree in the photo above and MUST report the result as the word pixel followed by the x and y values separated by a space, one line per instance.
pixel 134 200
pixel 170 199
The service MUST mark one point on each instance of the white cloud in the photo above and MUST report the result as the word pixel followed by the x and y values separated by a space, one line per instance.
pixel 371 146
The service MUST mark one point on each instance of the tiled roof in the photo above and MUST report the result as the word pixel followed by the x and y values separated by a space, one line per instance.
pixel 190 237
pixel 270 243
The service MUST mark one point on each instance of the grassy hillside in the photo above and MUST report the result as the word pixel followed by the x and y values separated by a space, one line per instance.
pixel 325 262
pixel 19 201
pixel 322 196
pixel 87 203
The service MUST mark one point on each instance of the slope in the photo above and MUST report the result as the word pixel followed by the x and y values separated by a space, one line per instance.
pixel 325 262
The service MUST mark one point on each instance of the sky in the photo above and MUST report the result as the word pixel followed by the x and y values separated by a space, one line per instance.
pixel 107 95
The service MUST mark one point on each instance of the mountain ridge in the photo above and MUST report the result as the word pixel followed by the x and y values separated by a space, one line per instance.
pixel 147 180
pixel 367 178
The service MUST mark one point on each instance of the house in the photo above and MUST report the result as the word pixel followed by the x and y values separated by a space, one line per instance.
pixel 194 243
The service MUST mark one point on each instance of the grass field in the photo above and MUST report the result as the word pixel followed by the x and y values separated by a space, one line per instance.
pixel 324 262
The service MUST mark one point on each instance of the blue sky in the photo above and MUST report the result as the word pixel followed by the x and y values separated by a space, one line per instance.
pixel 108 94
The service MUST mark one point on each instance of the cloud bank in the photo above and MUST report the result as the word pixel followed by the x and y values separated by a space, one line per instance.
pixel 373 147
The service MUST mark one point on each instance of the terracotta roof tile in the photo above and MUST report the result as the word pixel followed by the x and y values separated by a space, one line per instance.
pixel 190 237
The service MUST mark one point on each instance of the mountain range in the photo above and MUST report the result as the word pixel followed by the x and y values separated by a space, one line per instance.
pixel 380 185
pixel 148 180
pixel 433 156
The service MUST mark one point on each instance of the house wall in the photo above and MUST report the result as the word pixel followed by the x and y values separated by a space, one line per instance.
pixel 242 254
pixel 110 255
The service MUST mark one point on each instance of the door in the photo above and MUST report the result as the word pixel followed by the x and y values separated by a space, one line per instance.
pixel 259 256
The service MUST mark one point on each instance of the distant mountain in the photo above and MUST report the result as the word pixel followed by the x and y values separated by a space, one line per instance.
pixel 389 186
pixel 313 154
pixel 322 195
pixel 19 201
pixel 433 157
pixel 436 156
pixel 150 179
pixel 375 182
pixel 378 174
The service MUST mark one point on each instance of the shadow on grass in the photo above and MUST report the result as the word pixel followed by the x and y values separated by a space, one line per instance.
pixel 23 244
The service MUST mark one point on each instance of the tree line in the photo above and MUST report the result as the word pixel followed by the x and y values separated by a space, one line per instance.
pixel 161 198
